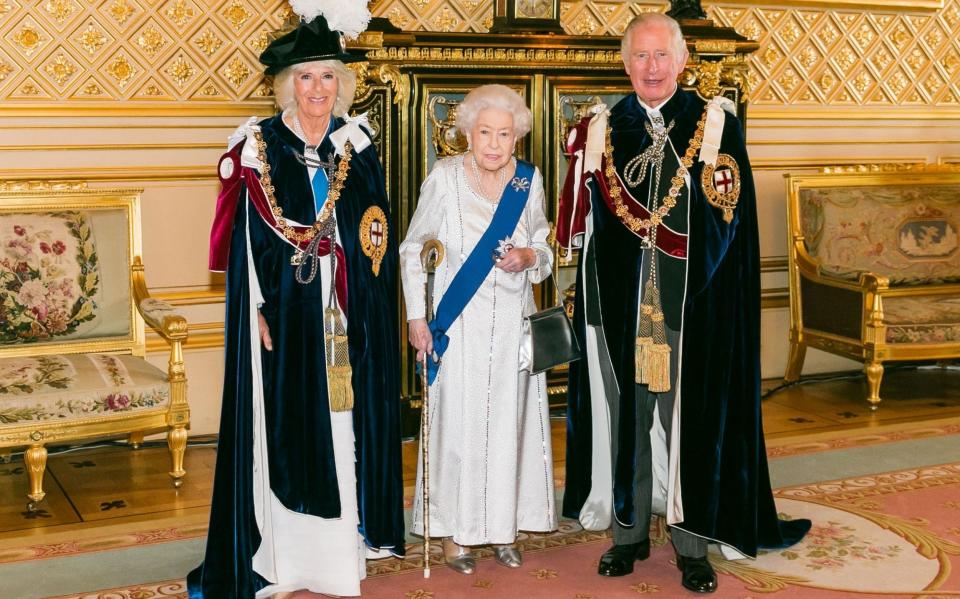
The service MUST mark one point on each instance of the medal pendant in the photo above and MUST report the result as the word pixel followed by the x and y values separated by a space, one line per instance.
pixel 645 243
pixel 297 258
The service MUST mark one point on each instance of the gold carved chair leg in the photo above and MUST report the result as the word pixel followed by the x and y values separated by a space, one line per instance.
pixel 177 443
pixel 135 439
pixel 798 352
pixel 179 414
pixel 874 372
pixel 36 460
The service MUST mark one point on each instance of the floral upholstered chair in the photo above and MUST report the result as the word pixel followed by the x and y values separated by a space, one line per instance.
pixel 72 308
pixel 875 267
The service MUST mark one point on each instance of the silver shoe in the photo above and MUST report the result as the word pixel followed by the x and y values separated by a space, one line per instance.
pixel 508 556
pixel 462 561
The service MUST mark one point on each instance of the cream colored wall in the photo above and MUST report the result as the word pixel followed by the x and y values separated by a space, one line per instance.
pixel 71 112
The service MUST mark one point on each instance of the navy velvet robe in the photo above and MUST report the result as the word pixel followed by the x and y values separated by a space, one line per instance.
pixel 301 461
pixel 723 467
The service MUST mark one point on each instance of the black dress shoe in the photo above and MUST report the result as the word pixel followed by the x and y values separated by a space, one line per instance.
pixel 698 574
pixel 618 560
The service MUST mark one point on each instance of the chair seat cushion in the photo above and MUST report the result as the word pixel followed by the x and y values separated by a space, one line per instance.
pixel 78 386
pixel 930 319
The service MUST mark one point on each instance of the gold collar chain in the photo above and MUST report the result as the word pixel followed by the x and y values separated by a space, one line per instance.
pixel 676 183
pixel 333 194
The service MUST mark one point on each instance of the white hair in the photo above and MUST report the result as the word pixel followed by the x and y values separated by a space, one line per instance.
pixel 646 19
pixel 286 100
pixel 495 96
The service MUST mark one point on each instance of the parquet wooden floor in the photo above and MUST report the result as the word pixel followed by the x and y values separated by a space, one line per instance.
pixel 115 486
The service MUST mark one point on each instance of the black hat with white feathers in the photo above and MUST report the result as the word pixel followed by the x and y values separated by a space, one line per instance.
pixel 324 28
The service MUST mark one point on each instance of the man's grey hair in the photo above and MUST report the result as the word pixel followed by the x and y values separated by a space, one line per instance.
pixel 646 19
pixel 284 95
pixel 496 96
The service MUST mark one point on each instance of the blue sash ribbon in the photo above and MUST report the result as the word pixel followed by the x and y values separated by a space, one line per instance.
pixel 478 264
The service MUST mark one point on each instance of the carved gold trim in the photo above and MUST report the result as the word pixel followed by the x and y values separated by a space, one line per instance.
pixel 891 168
pixel 44 185
pixel 399 82
pixel 858 113
pixel 499 57
pixel 820 162
pixel 906 5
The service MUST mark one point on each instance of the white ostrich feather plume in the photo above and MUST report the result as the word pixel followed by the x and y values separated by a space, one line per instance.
pixel 348 16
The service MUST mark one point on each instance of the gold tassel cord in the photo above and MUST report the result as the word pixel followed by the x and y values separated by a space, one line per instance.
pixel 656 367
pixel 339 372
pixel 652 357
pixel 644 340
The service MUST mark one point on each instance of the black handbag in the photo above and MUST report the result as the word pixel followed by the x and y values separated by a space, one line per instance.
pixel 552 339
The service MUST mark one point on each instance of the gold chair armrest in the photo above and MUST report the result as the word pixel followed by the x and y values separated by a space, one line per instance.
pixel 160 315
pixel 874 282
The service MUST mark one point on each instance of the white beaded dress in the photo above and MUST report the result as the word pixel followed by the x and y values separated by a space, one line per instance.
pixel 491 467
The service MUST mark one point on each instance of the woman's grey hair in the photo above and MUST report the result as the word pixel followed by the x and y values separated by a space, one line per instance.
pixel 495 96
pixel 286 100
pixel 645 19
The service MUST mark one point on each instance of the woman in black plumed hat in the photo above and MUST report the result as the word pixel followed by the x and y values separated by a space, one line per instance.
pixel 308 477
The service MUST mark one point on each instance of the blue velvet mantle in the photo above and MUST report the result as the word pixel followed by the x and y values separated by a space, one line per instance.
pixel 724 477
pixel 302 471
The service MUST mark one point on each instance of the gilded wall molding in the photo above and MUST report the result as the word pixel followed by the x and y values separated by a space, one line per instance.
pixel 912 6
pixel 822 162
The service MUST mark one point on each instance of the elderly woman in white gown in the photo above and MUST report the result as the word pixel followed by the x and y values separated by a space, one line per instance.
pixel 490 458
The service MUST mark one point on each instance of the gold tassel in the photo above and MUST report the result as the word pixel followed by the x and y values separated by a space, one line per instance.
pixel 640 358
pixel 644 337
pixel 339 372
pixel 657 368
pixel 657 365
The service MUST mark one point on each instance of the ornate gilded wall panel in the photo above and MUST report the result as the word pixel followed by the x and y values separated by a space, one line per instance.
pixel 151 50
pixel 205 51
pixel 861 53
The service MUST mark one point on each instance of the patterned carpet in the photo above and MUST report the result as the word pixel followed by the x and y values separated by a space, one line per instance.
pixel 891 534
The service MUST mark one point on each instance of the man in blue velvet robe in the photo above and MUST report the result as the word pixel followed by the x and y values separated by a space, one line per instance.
pixel 663 169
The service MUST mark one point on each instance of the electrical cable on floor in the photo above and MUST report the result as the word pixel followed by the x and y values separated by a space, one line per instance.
pixel 198 442
pixel 836 377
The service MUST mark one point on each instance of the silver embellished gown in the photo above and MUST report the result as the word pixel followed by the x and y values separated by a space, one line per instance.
pixel 491 467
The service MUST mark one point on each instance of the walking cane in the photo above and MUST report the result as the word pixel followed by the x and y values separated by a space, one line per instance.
pixel 430 256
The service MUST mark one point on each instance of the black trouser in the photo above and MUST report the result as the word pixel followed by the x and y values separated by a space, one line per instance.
pixel 685 543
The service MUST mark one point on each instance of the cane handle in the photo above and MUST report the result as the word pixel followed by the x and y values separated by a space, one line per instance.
pixel 431 255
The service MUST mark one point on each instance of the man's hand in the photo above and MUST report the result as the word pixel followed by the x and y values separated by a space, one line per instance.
pixel 517 260
pixel 264 332
pixel 420 337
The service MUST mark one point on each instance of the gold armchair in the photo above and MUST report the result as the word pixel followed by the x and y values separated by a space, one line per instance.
pixel 73 302
pixel 874 266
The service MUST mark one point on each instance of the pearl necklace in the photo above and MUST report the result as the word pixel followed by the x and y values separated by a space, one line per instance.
pixel 298 129
pixel 501 177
